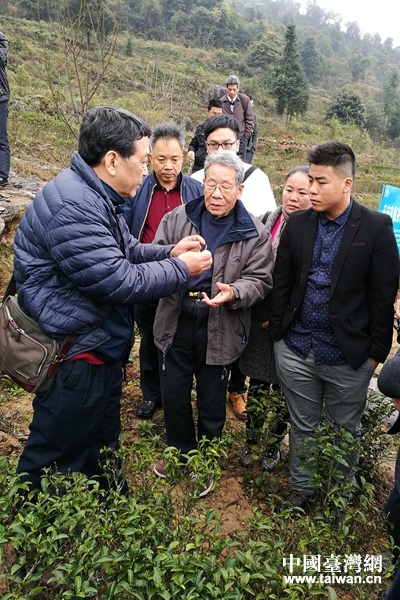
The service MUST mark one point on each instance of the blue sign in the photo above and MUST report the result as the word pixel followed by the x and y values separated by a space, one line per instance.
pixel 390 205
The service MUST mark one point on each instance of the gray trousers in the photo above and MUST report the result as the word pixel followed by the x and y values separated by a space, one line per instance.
pixel 306 387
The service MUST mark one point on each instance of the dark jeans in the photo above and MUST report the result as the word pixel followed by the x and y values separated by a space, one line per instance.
pixel 394 590
pixel 392 510
pixel 185 358
pixel 249 156
pixel 144 315
pixel 5 154
pixel 73 420
pixel 237 381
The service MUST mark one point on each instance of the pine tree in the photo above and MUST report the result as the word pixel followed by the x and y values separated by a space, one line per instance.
pixel 129 47
pixel 311 60
pixel 290 86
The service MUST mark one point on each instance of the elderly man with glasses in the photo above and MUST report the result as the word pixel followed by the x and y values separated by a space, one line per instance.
pixel 222 132
pixel 201 331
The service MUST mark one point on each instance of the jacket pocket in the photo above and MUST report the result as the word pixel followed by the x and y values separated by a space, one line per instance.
pixel 360 319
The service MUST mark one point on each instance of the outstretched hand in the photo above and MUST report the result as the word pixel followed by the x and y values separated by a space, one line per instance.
pixel 226 294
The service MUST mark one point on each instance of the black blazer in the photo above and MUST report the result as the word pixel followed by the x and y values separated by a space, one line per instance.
pixel 364 281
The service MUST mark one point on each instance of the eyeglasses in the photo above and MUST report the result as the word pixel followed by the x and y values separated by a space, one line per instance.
pixel 224 145
pixel 224 188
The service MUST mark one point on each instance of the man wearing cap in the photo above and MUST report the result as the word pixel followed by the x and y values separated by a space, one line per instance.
pixel 239 107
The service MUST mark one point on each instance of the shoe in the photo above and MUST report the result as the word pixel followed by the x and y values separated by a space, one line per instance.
pixel 3 181
pixel 206 489
pixel 239 404
pixel 147 409
pixel 246 459
pixel 294 500
pixel 272 458
pixel 160 469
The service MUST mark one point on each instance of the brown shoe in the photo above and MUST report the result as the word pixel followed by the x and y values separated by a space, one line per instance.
pixel 239 404
pixel 160 469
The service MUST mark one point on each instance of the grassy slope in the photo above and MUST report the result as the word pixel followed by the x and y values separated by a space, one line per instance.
pixel 163 81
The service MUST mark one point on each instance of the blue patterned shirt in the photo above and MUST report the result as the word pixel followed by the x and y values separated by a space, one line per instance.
pixel 312 327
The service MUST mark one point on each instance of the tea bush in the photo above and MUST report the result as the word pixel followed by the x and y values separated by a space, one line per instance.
pixel 74 540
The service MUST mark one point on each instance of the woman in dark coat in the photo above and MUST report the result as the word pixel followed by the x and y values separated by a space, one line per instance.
pixel 258 361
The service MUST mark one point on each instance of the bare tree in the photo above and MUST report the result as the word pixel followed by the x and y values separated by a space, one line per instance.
pixel 85 35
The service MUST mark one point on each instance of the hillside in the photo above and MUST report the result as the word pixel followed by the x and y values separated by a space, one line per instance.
pixel 163 80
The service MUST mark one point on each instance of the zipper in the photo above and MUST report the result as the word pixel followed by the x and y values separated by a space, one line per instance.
pixel 147 212
pixel 21 333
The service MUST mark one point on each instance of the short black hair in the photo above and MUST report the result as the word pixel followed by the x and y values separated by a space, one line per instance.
pixel 106 128
pixel 333 154
pixel 224 121
pixel 216 102
pixel 167 131
pixel 250 97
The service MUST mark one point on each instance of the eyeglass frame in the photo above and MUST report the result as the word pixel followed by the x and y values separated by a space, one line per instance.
pixel 218 146
pixel 211 187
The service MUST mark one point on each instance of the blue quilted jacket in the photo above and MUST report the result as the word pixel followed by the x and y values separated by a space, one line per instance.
pixel 135 209
pixel 75 259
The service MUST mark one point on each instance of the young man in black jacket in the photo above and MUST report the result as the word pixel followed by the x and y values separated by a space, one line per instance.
pixel 335 281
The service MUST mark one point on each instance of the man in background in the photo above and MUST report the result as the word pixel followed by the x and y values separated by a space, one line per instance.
pixel 197 150
pixel 222 132
pixel 239 107
pixel 165 188
pixel 5 154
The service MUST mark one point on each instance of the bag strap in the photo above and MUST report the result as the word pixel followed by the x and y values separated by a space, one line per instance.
pixel 11 288
pixel 249 172
pixel 242 103
pixel 61 354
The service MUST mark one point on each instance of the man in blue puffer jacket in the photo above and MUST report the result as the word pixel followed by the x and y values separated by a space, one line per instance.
pixel 163 190
pixel 78 270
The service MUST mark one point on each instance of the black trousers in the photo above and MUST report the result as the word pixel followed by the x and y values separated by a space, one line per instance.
pixel 5 154
pixel 255 423
pixel 72 421
pixel 144 315
pixel 187 358
pixel 237 381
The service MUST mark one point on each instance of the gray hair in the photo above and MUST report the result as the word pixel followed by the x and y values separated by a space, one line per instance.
pixel 227 159
pixel 167 131
pixel 232 80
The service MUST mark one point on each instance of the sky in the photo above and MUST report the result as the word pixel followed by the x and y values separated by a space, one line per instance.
pixel 381 17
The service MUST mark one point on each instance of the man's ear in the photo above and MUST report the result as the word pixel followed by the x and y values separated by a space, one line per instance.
pixel 347 184
pixel 240 190
pixel 151 158
pixel 110 161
